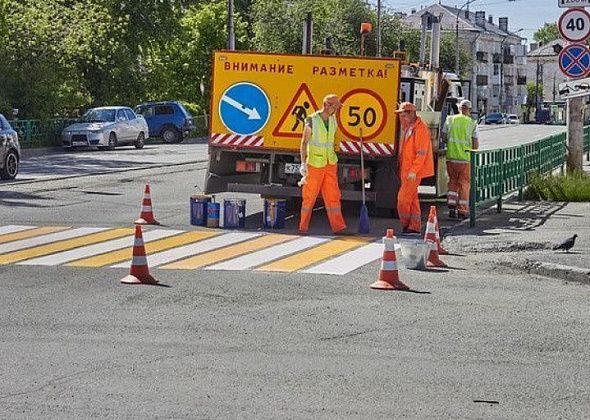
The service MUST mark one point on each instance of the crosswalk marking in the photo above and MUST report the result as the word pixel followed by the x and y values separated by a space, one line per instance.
pixel 315 255
pixel 150 247
pixel 99 235
pixel 267 255
pixel 100 248
pixel 213 257
pixel 47 238
pixel 185 250
pixel 13 228
pixel 206 245
pixel 349 261
pixel 30 233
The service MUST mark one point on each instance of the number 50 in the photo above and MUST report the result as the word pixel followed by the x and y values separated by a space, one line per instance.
pixel 369 116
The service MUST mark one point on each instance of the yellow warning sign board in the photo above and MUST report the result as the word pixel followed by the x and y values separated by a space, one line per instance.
pixel 269 96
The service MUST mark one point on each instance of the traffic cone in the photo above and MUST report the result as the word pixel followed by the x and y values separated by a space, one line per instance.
pixel 388 275
pixel 139 273
pixel 147 216
pixel 430 235
pixel 439 247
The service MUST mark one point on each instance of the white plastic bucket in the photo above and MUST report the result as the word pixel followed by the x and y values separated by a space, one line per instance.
pixel 415 254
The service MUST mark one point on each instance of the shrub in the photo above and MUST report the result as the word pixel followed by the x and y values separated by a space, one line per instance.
pixel 571 187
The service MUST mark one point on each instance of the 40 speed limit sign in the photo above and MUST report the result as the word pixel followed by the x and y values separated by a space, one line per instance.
pixel 362 109
pixel 574 25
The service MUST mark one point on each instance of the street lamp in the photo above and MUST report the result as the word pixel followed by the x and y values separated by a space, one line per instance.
pixel 502 67
pixel 467 3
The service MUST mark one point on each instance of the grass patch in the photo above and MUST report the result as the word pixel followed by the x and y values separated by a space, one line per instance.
pixel 571 187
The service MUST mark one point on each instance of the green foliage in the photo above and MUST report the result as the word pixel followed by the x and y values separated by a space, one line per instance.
pixel 59 57
pixel 568 188
pixel 547 33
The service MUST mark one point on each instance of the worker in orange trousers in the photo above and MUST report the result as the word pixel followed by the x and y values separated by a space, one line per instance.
pixel 415 161
pixel 319 165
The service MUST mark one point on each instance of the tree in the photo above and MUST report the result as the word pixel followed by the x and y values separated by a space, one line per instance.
pixel 547 33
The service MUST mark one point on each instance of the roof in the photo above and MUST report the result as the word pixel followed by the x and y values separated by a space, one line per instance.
pixel 547 49
pixel 449 20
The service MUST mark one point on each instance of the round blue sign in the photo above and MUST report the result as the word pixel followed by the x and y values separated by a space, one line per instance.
pixel 574 60
pixel 244 108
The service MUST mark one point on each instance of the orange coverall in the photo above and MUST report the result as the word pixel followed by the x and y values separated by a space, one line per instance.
pixel 324 180
pixel 415 155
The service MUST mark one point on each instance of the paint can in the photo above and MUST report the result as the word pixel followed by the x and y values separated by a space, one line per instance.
pixel 198 208
pixel 274 214
pixel 234 213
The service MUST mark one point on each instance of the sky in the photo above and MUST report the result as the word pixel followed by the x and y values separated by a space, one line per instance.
pixel 528 14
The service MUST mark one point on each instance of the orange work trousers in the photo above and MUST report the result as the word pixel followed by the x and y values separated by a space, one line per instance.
pixel 325 181
pixel 459 186
pixel 408 205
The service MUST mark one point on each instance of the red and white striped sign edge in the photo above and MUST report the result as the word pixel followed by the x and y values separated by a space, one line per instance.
pixel 224 139
pixel 377 149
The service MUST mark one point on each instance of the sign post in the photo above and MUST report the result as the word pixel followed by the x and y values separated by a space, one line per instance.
pixel 574 62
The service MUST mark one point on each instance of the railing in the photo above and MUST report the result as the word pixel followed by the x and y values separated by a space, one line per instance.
pixel 495 173
pixel 47 133
pixel 40 133
pixel 587 142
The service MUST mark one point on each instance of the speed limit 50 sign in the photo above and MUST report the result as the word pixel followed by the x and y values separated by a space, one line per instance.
pixel 574 25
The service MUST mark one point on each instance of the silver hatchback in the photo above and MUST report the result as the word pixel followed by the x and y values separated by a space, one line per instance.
pixel 9 150
pixel 105 128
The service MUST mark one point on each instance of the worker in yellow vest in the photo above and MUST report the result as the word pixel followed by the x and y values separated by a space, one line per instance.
pixel 318 165
pixel 461 136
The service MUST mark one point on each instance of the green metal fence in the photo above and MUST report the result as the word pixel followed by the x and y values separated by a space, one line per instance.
pixel 495 173
pixel 40 133
pixel 587 142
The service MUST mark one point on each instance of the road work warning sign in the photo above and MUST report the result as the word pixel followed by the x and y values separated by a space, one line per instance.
pixel 271 95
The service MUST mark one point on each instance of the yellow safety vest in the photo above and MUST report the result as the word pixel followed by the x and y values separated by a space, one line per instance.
pixel 460 129
pixel 320 147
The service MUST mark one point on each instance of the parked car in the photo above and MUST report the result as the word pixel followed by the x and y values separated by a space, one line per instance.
pixel 168 119
pixel 9 150
pixel 512 119
pixel 496 118
pixel 106 128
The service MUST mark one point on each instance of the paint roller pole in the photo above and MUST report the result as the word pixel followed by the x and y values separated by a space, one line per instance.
pixel 364 226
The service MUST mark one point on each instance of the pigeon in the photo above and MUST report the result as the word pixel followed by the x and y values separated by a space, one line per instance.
pixel 567 244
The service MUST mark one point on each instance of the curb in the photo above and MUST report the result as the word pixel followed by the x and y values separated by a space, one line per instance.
pixel 557 271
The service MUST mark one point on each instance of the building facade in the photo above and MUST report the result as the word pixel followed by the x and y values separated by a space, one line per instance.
pixel 497 72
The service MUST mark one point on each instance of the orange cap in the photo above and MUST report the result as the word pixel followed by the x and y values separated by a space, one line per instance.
pixel 406 106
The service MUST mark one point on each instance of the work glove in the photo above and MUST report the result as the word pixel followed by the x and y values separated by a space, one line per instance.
pixel 303 170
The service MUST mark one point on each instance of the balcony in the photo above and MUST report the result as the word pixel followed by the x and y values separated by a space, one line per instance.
pixel 508 59
pixel 481 57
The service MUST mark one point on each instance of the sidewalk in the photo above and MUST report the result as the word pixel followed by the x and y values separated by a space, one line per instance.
pixel 521 238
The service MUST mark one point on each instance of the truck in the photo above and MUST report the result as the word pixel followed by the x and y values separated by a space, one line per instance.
pixel 259 103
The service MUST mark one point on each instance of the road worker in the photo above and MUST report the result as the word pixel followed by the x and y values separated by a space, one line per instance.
pixel 415 161
pixel 460 136
pixel 319 165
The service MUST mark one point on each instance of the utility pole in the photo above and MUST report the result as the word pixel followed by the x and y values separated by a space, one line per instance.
pixel 231 39
pixel 457 69
pixel 378 28
pixel 575 135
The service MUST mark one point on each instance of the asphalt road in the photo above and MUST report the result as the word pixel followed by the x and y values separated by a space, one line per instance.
pixel 470 341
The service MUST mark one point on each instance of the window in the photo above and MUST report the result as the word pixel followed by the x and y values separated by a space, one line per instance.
pixel 130 115
pixel 496 69
pixel 482 80
pixel 121 115
pixel 146 111
pixel 164 110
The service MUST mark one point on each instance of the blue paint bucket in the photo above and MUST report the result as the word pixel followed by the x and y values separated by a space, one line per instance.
pixel 213 215
pixel 198 206
pixel 234 213
pixel 275 210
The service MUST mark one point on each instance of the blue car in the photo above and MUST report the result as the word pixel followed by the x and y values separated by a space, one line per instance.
pixel 496 118
pixel 168 120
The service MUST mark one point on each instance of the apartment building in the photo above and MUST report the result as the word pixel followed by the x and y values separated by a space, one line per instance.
pixel 497 72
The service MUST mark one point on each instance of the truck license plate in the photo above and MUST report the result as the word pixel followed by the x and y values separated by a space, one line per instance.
pixel 292 168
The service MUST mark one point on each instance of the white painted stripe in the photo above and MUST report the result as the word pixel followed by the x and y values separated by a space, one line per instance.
pixel 97 249
pixel 389 244
pixel 139 260
pixel 146 208
pixel 189 250
pixel 251 140
pixel 372 148
pixel 14 228
pixel 389 265
pixel 267 255
pixel 344 147
pixel 349 261
pixel 260 142
pixel 147 196
pixel 430 228
pixel 45 239
pixel 229 140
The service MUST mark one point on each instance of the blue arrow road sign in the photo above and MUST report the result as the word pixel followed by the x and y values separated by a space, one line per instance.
pixel 574 60
pixel 244 108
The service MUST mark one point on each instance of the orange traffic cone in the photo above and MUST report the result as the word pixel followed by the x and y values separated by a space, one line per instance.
pixel 389 276
pixel 439 247
pixel 139 273
pixel 147 216
pixel 430 235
